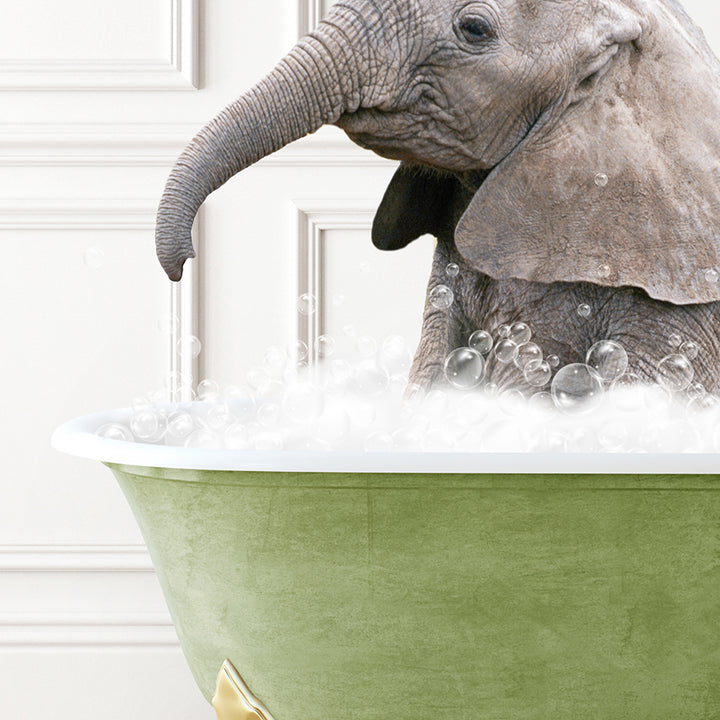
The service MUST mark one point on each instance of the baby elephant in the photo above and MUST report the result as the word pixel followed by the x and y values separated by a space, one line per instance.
pixel 565 154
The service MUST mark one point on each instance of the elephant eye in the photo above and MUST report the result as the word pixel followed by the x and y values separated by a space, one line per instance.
pixel 475 29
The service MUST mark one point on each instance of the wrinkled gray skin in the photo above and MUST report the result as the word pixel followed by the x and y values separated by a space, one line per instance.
pixel 503 113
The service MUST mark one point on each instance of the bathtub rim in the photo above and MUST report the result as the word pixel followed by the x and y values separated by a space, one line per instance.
pixel 77 437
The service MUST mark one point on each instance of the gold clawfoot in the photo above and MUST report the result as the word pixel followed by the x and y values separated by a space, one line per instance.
pixel 233 699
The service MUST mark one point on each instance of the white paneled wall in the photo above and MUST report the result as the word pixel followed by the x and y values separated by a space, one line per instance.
pixel 97 98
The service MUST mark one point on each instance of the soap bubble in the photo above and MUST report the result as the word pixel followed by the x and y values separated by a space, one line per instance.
pixel 528 352
pixel 542 400
pixel 503 331
pixel 584 310
pixel 441 297
pixel 259 379
pixel 553 361
pixel 189 346
pixel 147 424
pixel 690 349
pixel 208 390
pixel 601 179
pixel 481 341
pixel 537 373
pixel 512 402
pixel 340 370
pixel 325 346
pixel 452 270
pixel 303 403
pixel 674 373
pixel 168 324
pixel 394 357
pixel 94 258
pixel 300 351
pixel 219 417
pixel 695 390
pixel 406 440
pixel 307 304
pixel 520 333
pixel 506 351
pixel 623 399
pixel 711 275
pixel 180 425
pixel 203 439
pixel 114 431
pixel 674 340
pixel 464 368
pixel 576 387
pixel 608 359
pixel 604 271
pixel 275 360
pixel 613 436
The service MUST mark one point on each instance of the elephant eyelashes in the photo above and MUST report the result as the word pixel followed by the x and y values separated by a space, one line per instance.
pixel 475 30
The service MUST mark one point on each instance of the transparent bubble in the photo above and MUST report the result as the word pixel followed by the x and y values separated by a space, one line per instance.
pixel 94 258
pixel 378 441
pixel 506 351
pixel 581 440
pixel 180 425
pixel 527 353
pixel 608 359
pixel 168 324
pixel 394 357
pixel 441 297
pixel 452 270
pixel 236 437
pixel 203 439
pixel 542 400
pixel 553 361
pixel 690 349
pixel 482 341
pixel 520 333
pixel 601 179
pixel 275 360
pixel 584 310
pixel 189 346
pixel 711 275
pixel 219 417
pixel 300 351
pixel 325 346
pixel 604 271
pixel 674 373
pixel 703 402
pixel 674 340
pixel 576 388
pixel 367 346
pixel 695 390
pixel 613 436
pixel 503 331
pixel 268 414
pixel 370 381
pixel 307 304
pixel 622 387
pixel 537 373
pixel 512 402
pixel 258 379
pixel 268 442
pixel 464 368
pixel 406 440
pixel 115 431
pixel 303 403
pixel 146 424
pixel 208 390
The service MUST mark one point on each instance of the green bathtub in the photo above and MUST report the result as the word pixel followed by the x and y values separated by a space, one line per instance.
pixel 363 594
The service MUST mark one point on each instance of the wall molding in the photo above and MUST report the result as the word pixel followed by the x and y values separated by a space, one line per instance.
pixel 314 218
pixel 177 72
pixel 310 13
pixel 46 558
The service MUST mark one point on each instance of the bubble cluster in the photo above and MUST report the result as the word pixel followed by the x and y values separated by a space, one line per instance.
pixel 362 401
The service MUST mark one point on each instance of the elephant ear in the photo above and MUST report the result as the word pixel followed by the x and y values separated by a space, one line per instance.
pixel 623 189
pixel 417 202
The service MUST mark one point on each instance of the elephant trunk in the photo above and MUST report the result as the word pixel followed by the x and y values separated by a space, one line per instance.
pixel 313 85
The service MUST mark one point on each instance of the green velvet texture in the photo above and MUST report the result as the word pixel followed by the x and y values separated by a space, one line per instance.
pixel 461 597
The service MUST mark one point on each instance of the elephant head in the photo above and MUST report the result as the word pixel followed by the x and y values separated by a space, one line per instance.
pixel 586 130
